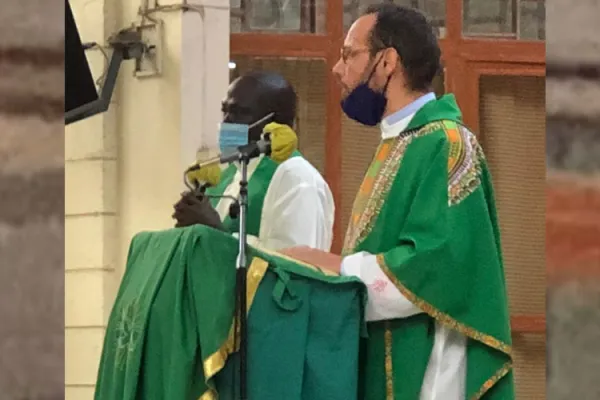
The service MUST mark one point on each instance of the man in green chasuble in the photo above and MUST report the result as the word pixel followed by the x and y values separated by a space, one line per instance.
pixel 289 204
pixel 423 234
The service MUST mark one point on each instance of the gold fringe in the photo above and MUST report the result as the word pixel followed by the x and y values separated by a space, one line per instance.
pixel 216 361
pixel 389 366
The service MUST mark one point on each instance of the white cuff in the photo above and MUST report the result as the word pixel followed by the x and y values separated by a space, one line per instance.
pixel 384 299
pixel 351 265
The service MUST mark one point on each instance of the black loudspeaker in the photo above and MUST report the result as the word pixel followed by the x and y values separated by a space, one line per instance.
pixel 79 83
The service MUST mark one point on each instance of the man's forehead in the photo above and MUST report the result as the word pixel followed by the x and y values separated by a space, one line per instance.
pixel 359 32
pixel 242 91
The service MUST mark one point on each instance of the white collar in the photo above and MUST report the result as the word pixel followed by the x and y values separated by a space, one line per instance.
pixel 389 131
pixel 397 123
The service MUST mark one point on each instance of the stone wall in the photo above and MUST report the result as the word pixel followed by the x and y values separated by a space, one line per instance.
pixel 31 200
pixel 573 208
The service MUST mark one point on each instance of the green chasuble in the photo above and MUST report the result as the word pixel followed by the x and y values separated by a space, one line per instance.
pixel 426 209
pixel 171 331
pixel 257 189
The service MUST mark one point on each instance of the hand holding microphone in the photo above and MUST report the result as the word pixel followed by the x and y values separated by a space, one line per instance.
pixel 279 143
pixel 205 176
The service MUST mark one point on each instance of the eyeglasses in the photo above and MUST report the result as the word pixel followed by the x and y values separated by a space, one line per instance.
pixel 347 53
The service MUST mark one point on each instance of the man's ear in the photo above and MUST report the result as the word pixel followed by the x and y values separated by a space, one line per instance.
pixel 391 60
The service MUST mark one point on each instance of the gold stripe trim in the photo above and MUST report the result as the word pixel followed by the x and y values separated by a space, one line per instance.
pixel 444 318
pixel 389 367
pixel 208 395
pixel 216 361
pixel 256 272
pixel 451 323
pixel 487 385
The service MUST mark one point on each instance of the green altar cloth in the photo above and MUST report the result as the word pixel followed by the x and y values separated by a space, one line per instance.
pixel 170 332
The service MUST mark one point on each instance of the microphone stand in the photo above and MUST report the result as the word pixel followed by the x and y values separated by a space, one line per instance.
pixel 244 155
pixel 241 274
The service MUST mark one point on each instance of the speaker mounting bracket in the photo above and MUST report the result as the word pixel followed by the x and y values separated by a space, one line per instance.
pixel 150 62
pixel 127 44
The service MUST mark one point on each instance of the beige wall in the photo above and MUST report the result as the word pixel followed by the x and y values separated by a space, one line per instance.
pixel 123 168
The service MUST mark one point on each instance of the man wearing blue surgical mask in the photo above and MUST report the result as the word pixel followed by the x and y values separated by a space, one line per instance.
pixel 290 204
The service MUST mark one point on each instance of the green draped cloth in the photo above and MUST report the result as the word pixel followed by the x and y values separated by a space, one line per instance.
pixel 170 335
pixel 426 209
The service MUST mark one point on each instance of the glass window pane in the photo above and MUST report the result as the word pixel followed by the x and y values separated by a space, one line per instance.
pixel 278 16
pixel 490 18
pixel 516 19
pixel 435 10
pixel 532 21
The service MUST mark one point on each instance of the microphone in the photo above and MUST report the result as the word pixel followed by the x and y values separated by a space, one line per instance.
pixel 206 173
pixel 279 142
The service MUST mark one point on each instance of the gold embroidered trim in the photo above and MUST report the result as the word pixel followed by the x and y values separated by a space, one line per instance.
pixel 464 163
pixel 368 205
pixel 441 317
pixel 216 361
pixel 487 385
pixel 389 367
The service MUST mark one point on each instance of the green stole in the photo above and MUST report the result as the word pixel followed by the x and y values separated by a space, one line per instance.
pixel 426 209
pixel 257 189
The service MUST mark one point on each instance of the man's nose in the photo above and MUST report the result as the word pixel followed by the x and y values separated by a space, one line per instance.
pixel 338 70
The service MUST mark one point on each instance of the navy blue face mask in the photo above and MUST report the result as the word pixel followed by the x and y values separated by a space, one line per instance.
pixel 365 105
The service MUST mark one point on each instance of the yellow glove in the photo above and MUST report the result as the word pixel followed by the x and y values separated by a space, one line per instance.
pixel 210 174
pixel 284 141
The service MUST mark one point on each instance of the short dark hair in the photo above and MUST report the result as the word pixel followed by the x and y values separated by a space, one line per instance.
pixel 277 95
pixel 408 32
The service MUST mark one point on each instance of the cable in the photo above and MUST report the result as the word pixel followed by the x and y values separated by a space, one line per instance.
pixel 184 6
pixel 91 46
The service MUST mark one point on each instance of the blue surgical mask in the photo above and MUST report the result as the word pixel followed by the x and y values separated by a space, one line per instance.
pixel 232 136
pixel 366 105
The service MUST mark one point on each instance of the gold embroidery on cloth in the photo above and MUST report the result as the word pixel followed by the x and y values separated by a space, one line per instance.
pixel 464 162
pixel 451 323
pixel 216 361
pixel 389 368
pixel 377 183
pixel 441 317
pixel 487 385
